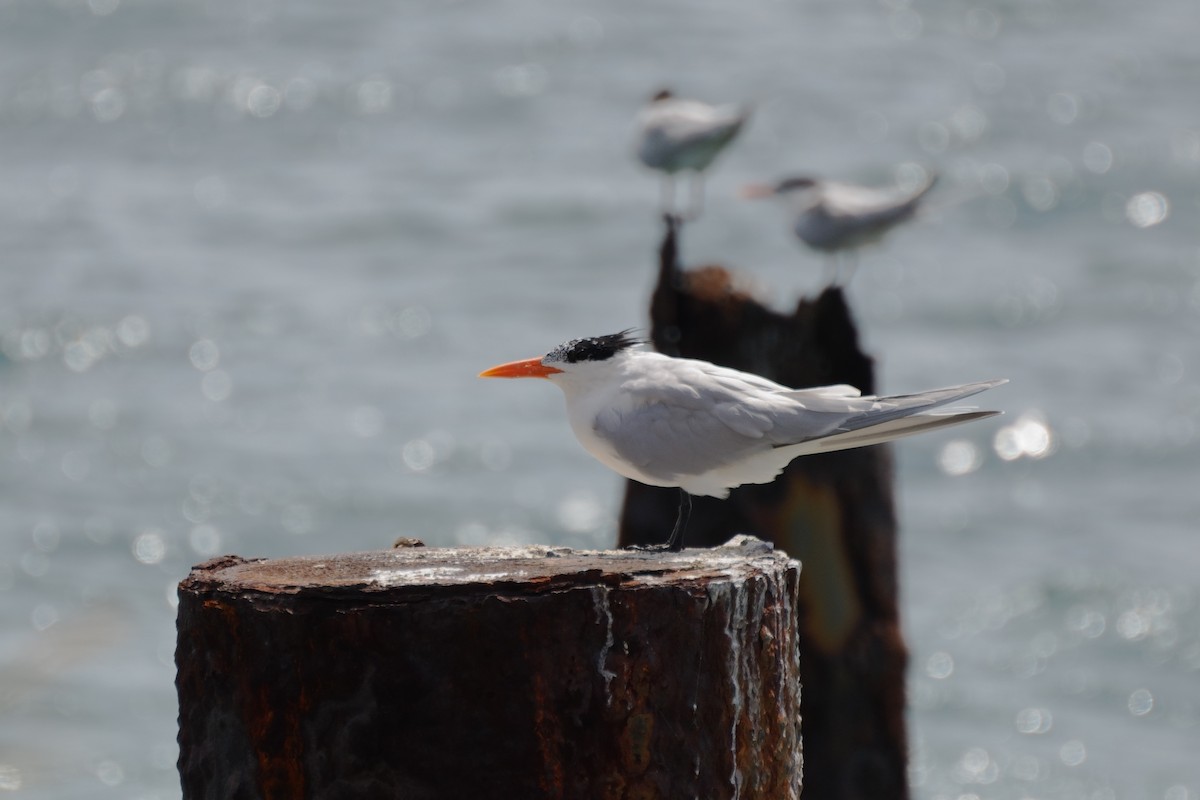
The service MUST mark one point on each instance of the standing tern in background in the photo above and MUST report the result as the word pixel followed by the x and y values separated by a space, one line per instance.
pixel 680 422
pixel 676 135
pixel 838 218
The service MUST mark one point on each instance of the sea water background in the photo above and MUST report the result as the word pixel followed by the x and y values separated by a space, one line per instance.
pixel 256 252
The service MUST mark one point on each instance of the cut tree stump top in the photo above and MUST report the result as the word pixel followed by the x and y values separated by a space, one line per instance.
pixel 417 572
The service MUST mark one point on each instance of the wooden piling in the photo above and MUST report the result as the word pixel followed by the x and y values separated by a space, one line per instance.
pixel 834 512
pixel 533 672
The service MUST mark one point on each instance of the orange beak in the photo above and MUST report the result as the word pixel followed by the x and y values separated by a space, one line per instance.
pixel 754 191
pixel 529 368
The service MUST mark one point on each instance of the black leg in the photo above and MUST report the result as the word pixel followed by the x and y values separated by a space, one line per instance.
pixel 675 543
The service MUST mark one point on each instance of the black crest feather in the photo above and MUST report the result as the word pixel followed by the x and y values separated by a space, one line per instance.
pixel 595 348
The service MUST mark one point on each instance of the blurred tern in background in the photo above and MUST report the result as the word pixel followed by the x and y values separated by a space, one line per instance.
pixel 706 429
pixel 675 135
pixel 838 218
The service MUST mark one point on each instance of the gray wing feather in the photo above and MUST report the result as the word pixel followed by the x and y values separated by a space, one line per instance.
pixel 668 441
pixel 749 422
pixel 703 418
pixel 672 428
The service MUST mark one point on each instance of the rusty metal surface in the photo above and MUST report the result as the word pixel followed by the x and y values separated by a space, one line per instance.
pixel 481 672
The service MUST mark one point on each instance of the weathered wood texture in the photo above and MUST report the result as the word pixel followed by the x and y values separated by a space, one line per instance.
pixel 833 512
pixel 491 673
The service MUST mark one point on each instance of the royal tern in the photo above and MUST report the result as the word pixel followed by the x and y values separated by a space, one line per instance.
pixel 676 135
pixel 837 218
pixel 681 422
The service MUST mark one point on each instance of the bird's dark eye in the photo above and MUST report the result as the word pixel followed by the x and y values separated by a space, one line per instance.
pixel 789 184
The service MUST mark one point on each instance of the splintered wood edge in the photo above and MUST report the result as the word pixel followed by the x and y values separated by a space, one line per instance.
pixel 421 571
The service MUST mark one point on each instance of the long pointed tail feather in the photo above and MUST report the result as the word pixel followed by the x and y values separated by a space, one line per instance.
pixel 897 429
pixel 907 405
pixel 896 417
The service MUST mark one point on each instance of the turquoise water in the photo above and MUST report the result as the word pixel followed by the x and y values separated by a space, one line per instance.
pixel 255 254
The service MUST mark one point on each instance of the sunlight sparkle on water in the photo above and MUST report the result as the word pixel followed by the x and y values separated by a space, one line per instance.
pixel 204 354
pixel 1063 107
pixel 92 345
pixel 263 100
pixel 10 778
pixel 1073 753
pixel 43 616
pixel 133 331
pixel 976 766
pixel 108 104
pixel 418 455
pixel 157 451
pixel 959 457
pixel 1029 436
pixel 1147 209
pixel 1040 192
pixel 940 665
pixel 1032 721
pixel 150 547
pixel 1141 702
pixel 110 773
pixel 374 95
pixel 426 452
pixel 910 175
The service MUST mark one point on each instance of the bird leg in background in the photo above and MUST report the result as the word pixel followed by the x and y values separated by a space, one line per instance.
pixel 833 264
pixel 667 195
pixel 675 541
pixel 851 260
pixel 696 201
